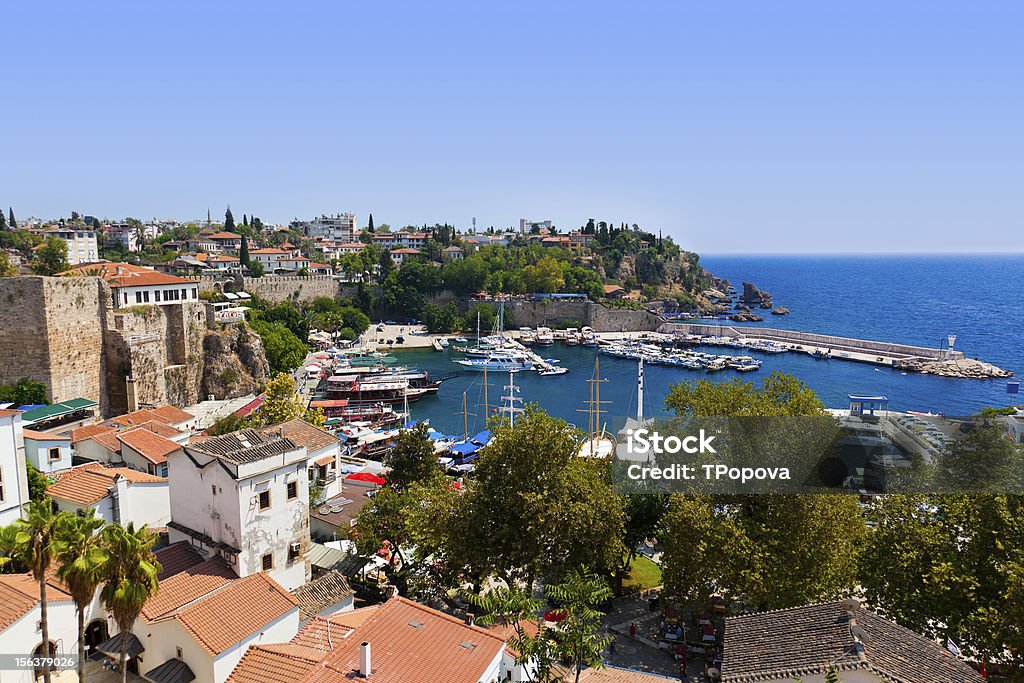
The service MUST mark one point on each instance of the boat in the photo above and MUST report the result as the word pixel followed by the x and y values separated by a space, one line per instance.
pixel 443 342
pixel 588 337
pixel 460 340
pixel 598 443
pixel 545 337
pixel 418 379
pixel 510 401
pixel 498 360
pixel 715 365
pixel 372 390
pixel 551 370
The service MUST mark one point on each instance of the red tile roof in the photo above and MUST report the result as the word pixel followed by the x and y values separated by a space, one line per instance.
pixel 268 250
pixel 19 593
pixel 406 640
pixel 127 275
pixel 166 414
pixel 186 586
pixel 217 623
pixel 224 236
pixel 150 446
pixel 88 484
pixel 302 433
pixel 43 436
pixel 4 412
pixel 108 440
pixel 406 250
pixel 176 558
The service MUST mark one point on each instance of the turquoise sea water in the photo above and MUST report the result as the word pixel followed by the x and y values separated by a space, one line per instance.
pixel 908 299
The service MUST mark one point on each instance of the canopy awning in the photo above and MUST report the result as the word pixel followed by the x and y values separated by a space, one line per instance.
pixel 112 645
pixel 171 671
pixel 368 477
pixel 465 448
pixel 483 438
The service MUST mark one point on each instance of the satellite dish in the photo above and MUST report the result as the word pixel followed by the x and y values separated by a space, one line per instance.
pixel 859 633
pixel 714 674
pixel 324 511
pixel 851 604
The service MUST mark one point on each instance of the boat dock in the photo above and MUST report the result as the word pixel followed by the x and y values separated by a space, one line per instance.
pixel 945 362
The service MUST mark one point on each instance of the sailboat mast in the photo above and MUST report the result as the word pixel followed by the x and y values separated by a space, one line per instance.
pixel 640 393
pixel 512 393
pixel 487 408
pixel 465 424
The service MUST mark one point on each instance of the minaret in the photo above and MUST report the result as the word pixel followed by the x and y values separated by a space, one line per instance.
pixel 209 222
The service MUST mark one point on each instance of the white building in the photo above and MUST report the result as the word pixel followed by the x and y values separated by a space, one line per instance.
pixel 340 226
pixel 244 496
pixel 118 494
pixel 526 226
pixel 13 475
pixel 48 453
pixel 126 235
pixel 145 448
pixel 323 450
pixel 268 257
pixel 134 285
pixel 400 255
pixel 81 242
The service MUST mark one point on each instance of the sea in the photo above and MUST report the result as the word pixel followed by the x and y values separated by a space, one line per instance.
pixel 911 299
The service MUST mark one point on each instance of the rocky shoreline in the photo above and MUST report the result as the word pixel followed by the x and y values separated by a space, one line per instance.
pixel 965 368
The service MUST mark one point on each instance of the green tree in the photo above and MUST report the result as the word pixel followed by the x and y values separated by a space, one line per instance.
pixel 229 221
pixel 10 219
pixel 369 224
pixel 779 395
pixel 538 510
pixel 284 350
pixel 10 558
pixel 243 253
pixel 950 566
pixel 581 637
pixel 413 458
pixel 7 269
pixel 386 264
pixel 23 393
pixel 35 550
pixel 281 401
pixel 80 559
pixel 36 483
pixel 129 572
pixel 256 269
pixel 52 258
pixel 544 277
pixel 3 221
pixel 529 638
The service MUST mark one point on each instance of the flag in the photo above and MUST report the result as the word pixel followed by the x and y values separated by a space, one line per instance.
pixel 984 669
pixel 951 646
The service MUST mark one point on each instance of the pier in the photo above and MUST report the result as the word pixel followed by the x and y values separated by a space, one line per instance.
pixel 943 362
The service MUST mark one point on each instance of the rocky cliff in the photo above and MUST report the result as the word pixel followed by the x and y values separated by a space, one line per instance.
pixel 235 363
pixel 752 296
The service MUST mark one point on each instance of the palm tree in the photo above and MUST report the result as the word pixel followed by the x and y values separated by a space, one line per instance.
pixel 9 548
pixel 581 638
pixel 80 557
pixel 35 547
pixel 129 571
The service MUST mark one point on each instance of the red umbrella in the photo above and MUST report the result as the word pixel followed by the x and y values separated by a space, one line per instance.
pixel 368 477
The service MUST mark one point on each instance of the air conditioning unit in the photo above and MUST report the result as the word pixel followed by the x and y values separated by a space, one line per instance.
pixel 296 546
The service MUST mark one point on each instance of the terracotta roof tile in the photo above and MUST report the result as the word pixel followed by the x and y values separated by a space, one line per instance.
pixel 612 674
pixel 224 236
pixel 108 440
pixel 176 558
pixel 43 436
pixel 82 433
pixel 217 623
pixel 92 482
pixel 160 429
pixel 263 664
pixel 5 412
pixel 150 446
pixel 801 641
pixel 19 593
pixel 187 586
pixel 127 275
pixel 166 414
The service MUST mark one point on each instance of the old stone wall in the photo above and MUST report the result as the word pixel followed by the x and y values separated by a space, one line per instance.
pixel 273 288
pixel 51 331
pixel 554 313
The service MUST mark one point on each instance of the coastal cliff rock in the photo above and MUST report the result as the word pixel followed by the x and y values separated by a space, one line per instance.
pixel 966 368
pixel 746 317
pixel 236 363
pixel 781 310
pixel 754 296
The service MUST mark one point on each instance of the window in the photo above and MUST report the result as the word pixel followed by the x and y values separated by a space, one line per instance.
pixel 213 489
pixel 138 297
pixel 145 297
pixel 268 562
pixel 195 293
pixel 184 294
pixel 293 490
pixel 178 652
pixel 293 552
pixel 264 500
pixel 156 295
pixel 55 453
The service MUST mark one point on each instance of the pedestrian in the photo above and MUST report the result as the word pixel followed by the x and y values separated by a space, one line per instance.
pixel 632 630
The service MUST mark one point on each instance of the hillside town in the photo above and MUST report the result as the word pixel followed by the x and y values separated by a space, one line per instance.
pixel 209 471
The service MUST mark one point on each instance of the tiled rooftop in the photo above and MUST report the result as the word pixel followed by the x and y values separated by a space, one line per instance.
pixel 302 433
pixel 150 446
pixel 90 483
pixel 244 446
pixel 321 593
pixel 802 641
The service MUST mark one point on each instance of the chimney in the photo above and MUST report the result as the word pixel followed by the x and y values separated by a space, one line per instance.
pixel 364 659
pixel 470 618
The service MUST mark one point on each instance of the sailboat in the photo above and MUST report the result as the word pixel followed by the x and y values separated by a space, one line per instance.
pixel 598 444
pixel 511 401
pixel 633 424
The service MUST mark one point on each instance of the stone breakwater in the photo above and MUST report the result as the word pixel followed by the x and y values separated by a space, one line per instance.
pixel 966 368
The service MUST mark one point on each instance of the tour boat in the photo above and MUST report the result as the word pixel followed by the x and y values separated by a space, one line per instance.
pixel 369 390
pixel 498 360
pixel 545 337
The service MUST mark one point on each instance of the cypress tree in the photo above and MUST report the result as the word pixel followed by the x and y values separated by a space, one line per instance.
pixel 243 252
pixel 369 225
pixel 10 218
pixel 3 221
pixel 229 221
pixel 245 221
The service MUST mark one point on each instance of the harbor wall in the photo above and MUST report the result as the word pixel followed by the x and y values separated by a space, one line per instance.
pixel 823 341
pixel 555 313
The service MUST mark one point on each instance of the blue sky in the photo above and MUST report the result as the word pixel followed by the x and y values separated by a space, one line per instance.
pixel 734 126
